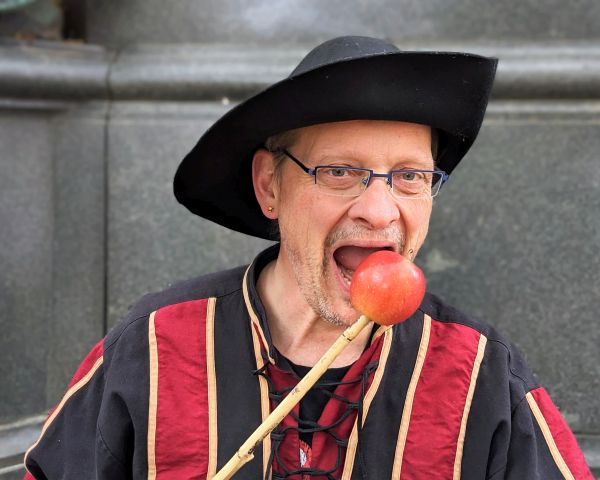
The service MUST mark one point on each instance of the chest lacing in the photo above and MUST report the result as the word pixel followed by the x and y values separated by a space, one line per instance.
pixel 352 406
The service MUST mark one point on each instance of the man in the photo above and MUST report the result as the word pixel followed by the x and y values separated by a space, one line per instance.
pixel 341 159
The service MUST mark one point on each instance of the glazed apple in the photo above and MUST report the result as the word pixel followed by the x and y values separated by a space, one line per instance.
pixel 387 287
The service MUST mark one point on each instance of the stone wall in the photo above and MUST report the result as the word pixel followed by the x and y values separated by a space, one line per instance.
pixel 90 136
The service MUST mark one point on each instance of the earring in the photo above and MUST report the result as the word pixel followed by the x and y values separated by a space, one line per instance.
pixel 270 209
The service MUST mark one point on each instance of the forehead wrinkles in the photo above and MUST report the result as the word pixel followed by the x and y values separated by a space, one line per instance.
pixel 413 145
pixel 323 143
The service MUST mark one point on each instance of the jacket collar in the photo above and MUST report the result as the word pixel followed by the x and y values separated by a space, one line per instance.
pixel 254 305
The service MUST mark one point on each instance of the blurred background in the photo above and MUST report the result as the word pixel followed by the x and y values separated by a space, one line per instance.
pixel 100 100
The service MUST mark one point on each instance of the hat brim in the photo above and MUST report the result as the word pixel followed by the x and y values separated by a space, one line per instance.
pixel 447 91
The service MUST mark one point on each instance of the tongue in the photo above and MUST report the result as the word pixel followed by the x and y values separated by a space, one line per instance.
pixel 350 257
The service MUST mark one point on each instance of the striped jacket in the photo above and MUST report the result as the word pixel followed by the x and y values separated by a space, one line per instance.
pixel 173 390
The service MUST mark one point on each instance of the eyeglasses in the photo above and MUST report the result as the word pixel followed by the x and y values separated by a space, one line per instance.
pixel 352 181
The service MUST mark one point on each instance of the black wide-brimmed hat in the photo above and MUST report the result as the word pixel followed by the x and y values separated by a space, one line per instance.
pixel 347 78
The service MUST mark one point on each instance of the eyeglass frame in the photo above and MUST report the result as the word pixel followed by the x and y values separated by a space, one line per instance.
pixel 372 173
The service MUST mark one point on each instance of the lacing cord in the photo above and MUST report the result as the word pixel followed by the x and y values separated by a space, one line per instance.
pixel 278 434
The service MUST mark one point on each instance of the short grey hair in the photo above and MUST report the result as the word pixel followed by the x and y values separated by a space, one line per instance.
pixel 278 142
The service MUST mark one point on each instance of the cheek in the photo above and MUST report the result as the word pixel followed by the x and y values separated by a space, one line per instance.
pixel 297 218
pixel 310 208
pixel 416 218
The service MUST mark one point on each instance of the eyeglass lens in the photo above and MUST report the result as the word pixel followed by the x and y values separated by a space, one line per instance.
pixel 348 181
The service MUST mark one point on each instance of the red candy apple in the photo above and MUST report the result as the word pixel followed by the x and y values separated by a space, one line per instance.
pixel 387 287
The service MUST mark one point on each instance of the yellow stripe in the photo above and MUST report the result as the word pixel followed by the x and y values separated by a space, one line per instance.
pixel 385 351
pixel 153 399
pixel 410 395
pixel 539 416
pixel 262 381
pixel 70 392
pixel 253 315
pixel 353 440
pixel 380 331
pixel 212 388
pixel 467 408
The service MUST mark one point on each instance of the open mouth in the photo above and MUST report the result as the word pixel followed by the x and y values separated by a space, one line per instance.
pixel 349 257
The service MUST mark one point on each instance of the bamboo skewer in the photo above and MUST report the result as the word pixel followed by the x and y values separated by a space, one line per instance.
pixel 246 452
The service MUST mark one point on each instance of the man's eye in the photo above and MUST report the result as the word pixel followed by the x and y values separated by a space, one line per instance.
pixel 409 176
pixel 338 172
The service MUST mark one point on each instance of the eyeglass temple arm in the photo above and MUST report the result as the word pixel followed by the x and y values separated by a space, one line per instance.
pixel 310 171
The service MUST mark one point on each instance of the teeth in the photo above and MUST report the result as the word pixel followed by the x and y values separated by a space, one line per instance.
pixel 346 273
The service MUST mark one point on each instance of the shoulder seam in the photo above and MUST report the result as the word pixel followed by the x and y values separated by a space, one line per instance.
pixel 512 372
pixel 131 322
pixel 239 289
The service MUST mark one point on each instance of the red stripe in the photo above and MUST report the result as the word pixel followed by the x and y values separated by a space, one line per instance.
pixel 88 362
pixel 182 414
pixel 439 401
pixel 562 435
pixel 288 454
pixel 84 367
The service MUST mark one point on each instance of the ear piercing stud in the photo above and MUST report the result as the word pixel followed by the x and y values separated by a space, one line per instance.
pixel 270 209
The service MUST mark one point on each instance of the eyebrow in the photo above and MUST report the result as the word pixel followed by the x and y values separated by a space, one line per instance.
pixel 402 164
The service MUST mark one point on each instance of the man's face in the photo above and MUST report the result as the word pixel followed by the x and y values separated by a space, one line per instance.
pixel 324 237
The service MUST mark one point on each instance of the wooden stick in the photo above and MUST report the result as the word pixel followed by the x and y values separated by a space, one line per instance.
pixel 245 452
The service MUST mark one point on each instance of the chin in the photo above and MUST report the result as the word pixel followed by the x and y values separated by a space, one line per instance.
pixel 339 315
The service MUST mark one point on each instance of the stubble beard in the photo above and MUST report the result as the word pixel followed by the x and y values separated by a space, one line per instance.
pixel 311 285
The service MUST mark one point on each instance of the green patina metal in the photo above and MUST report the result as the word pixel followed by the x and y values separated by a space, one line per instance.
pixel 8 5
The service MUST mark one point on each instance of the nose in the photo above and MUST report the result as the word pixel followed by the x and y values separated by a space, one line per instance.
pixel 375 208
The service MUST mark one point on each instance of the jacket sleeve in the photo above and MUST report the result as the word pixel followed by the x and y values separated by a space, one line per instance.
pixel 541 445
pixel 72 444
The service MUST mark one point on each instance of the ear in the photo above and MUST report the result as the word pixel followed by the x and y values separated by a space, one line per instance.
pixel 265 183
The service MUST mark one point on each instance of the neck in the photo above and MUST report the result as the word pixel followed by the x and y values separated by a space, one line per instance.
pixel 297 332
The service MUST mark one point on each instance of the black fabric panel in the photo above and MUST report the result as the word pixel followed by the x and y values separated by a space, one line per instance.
pixel 377 441
pixel 67 449
pixel 238 392
pixel 488 426
pixel 123 417
pixel 107 466
pixel 528 455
